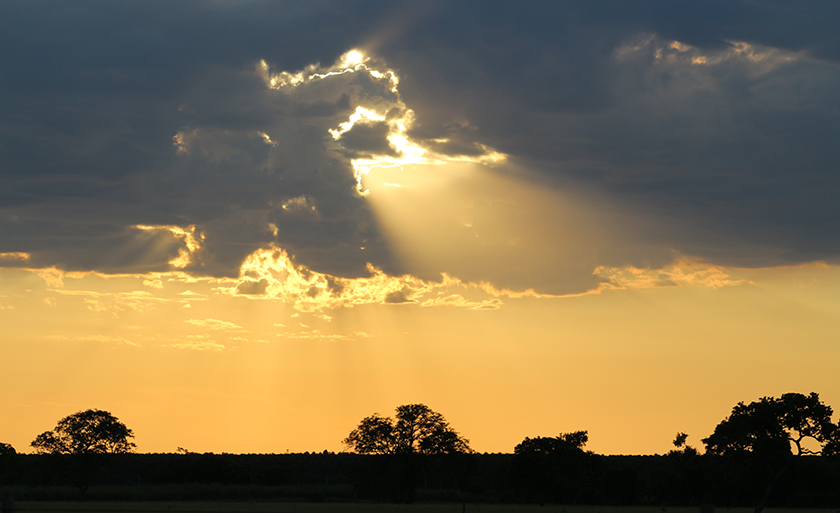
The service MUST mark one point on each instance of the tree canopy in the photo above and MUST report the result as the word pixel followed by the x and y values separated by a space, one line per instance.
pixel 415 428
pixel 777 425
pixel 774 431
pixel 6 449
pixel 553 469
pixel 86 432
pixel 565 443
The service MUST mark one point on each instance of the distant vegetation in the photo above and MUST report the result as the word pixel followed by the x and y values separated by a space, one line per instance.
pixel 774 451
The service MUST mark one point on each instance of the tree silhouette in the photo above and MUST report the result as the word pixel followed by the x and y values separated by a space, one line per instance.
pixel 86 432
pixel 86 438
pixel 553 469
pixel 415 429
pixel 773 431
pixel 685 481
pixel 405 445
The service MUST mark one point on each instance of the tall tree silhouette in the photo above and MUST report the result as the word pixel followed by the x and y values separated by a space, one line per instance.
pixel 774 432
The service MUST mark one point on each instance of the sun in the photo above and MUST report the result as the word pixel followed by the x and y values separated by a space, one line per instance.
pixel 353 57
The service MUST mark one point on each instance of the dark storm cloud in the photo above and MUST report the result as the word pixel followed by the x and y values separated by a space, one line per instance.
pixel 737 159
pixel 93 94
pixel 366 139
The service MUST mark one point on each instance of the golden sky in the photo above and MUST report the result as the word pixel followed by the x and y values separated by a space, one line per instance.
pixel 247 246
pixel 187 365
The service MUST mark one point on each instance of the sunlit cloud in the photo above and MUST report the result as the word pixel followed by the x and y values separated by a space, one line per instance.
pixel 154 282
pixel 104 338
pixel 192 295
pixel 683 272
pixel 188 235
pixel 756 59
pixel 15 256
pixel 52 276
pixel 458 300
pixel 200 345
pixel 318 335
pixel 299 204
pixel 351 62
pixel 215 324
pixel 277 277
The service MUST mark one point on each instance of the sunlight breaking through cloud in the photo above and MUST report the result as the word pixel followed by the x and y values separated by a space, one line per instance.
pixel 271 274
pixel 394 113
pixel 191 240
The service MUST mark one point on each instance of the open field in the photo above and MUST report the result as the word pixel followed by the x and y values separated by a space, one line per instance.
pixel 297 507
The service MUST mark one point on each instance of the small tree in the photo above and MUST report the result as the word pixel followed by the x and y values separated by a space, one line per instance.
pixel 774 430
pixel 416 429
pixel 86 437
pixel 686 481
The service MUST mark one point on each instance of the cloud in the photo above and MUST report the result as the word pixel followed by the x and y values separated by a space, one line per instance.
pixel 317 335
pixel 683 272
pixel 199 345
pixel 719 134
pixel 368 139
pixel 14 256
pixel 52 277
pixel 186 163
pixel 215 324
pixel 458 300
pixel 310 291
pixel 398 297
pixel 254 288
pixel 105 338
pixel 112 302
pixel 676 134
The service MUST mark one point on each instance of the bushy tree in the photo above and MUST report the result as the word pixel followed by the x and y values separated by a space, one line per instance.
pixel 566 442
pixel 7 449
pixel 773 431
pixel 81 444
pixel 772 425
pixel 415 429
pixel 553 469
pixel 407 444
pixel 86 432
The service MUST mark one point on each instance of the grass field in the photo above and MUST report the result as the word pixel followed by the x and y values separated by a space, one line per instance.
pixel 296 507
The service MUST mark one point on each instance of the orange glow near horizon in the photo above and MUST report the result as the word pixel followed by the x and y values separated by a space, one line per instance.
pixel 237 375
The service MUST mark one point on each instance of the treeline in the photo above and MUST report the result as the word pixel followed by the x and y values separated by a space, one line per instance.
pixel 781 451
pixel 676 479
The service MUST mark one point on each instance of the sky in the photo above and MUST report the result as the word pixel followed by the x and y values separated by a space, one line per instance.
pixel 243 226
